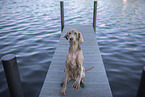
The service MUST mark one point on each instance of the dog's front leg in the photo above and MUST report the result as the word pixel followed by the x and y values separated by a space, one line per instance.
pixel 62 93
pixel 76 84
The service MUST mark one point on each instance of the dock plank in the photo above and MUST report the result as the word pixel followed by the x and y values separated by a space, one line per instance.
pixel 96 80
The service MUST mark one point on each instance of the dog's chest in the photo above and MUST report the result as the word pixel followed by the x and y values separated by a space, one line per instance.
pixel 71 60
pixel 72 66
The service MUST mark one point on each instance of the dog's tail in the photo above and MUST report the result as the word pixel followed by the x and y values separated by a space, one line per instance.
pixel 89 68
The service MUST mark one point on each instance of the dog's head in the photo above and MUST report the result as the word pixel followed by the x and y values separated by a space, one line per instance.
pixel 74 36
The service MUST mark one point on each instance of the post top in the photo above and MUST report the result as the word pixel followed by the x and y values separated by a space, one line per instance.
pixel 8 57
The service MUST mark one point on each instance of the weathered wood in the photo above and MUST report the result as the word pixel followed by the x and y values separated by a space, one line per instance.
pixel 141 88
pixel 62 14
pixel 12 75
pixel 96 80
pixel 94 15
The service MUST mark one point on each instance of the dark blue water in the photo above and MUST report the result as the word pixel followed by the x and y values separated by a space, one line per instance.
pixel 30 29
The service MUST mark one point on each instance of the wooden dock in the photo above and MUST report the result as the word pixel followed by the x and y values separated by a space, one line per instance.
pixel 96 80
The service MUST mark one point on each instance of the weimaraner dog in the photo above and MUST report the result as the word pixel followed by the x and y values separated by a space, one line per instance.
pixel 74 63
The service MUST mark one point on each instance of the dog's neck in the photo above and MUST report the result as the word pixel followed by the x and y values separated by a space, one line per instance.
pixel 74 47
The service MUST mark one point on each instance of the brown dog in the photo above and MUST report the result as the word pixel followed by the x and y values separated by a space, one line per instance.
pixel 74 63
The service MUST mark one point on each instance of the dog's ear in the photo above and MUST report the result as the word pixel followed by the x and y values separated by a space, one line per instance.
pixel 66 36
pixel 81 40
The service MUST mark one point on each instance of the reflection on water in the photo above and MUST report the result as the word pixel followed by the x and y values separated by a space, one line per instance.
pixel 31 30
pixel 124 4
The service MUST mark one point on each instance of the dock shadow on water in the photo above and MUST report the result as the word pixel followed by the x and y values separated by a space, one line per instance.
pixel 30 29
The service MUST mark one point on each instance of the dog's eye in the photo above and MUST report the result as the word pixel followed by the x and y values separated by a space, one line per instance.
pixel 69 33
pixel 75 33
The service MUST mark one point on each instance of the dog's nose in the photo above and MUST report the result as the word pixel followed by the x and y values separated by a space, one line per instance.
pixel 71 38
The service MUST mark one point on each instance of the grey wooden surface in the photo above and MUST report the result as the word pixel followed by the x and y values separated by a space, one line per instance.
pixel 96 80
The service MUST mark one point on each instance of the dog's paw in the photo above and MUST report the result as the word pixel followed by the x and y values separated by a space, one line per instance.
pixel 62 93
pixel 76 85
pixel 62 84
pixel 82 84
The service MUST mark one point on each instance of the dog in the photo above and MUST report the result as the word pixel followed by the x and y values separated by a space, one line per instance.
pixel 74 63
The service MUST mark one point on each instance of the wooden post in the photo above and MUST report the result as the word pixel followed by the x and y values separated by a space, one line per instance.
pixel 94 15
pixel 12 75
pixel 62 14
pixel 141 88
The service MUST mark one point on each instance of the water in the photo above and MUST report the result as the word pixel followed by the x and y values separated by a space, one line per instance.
pixel 30 29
